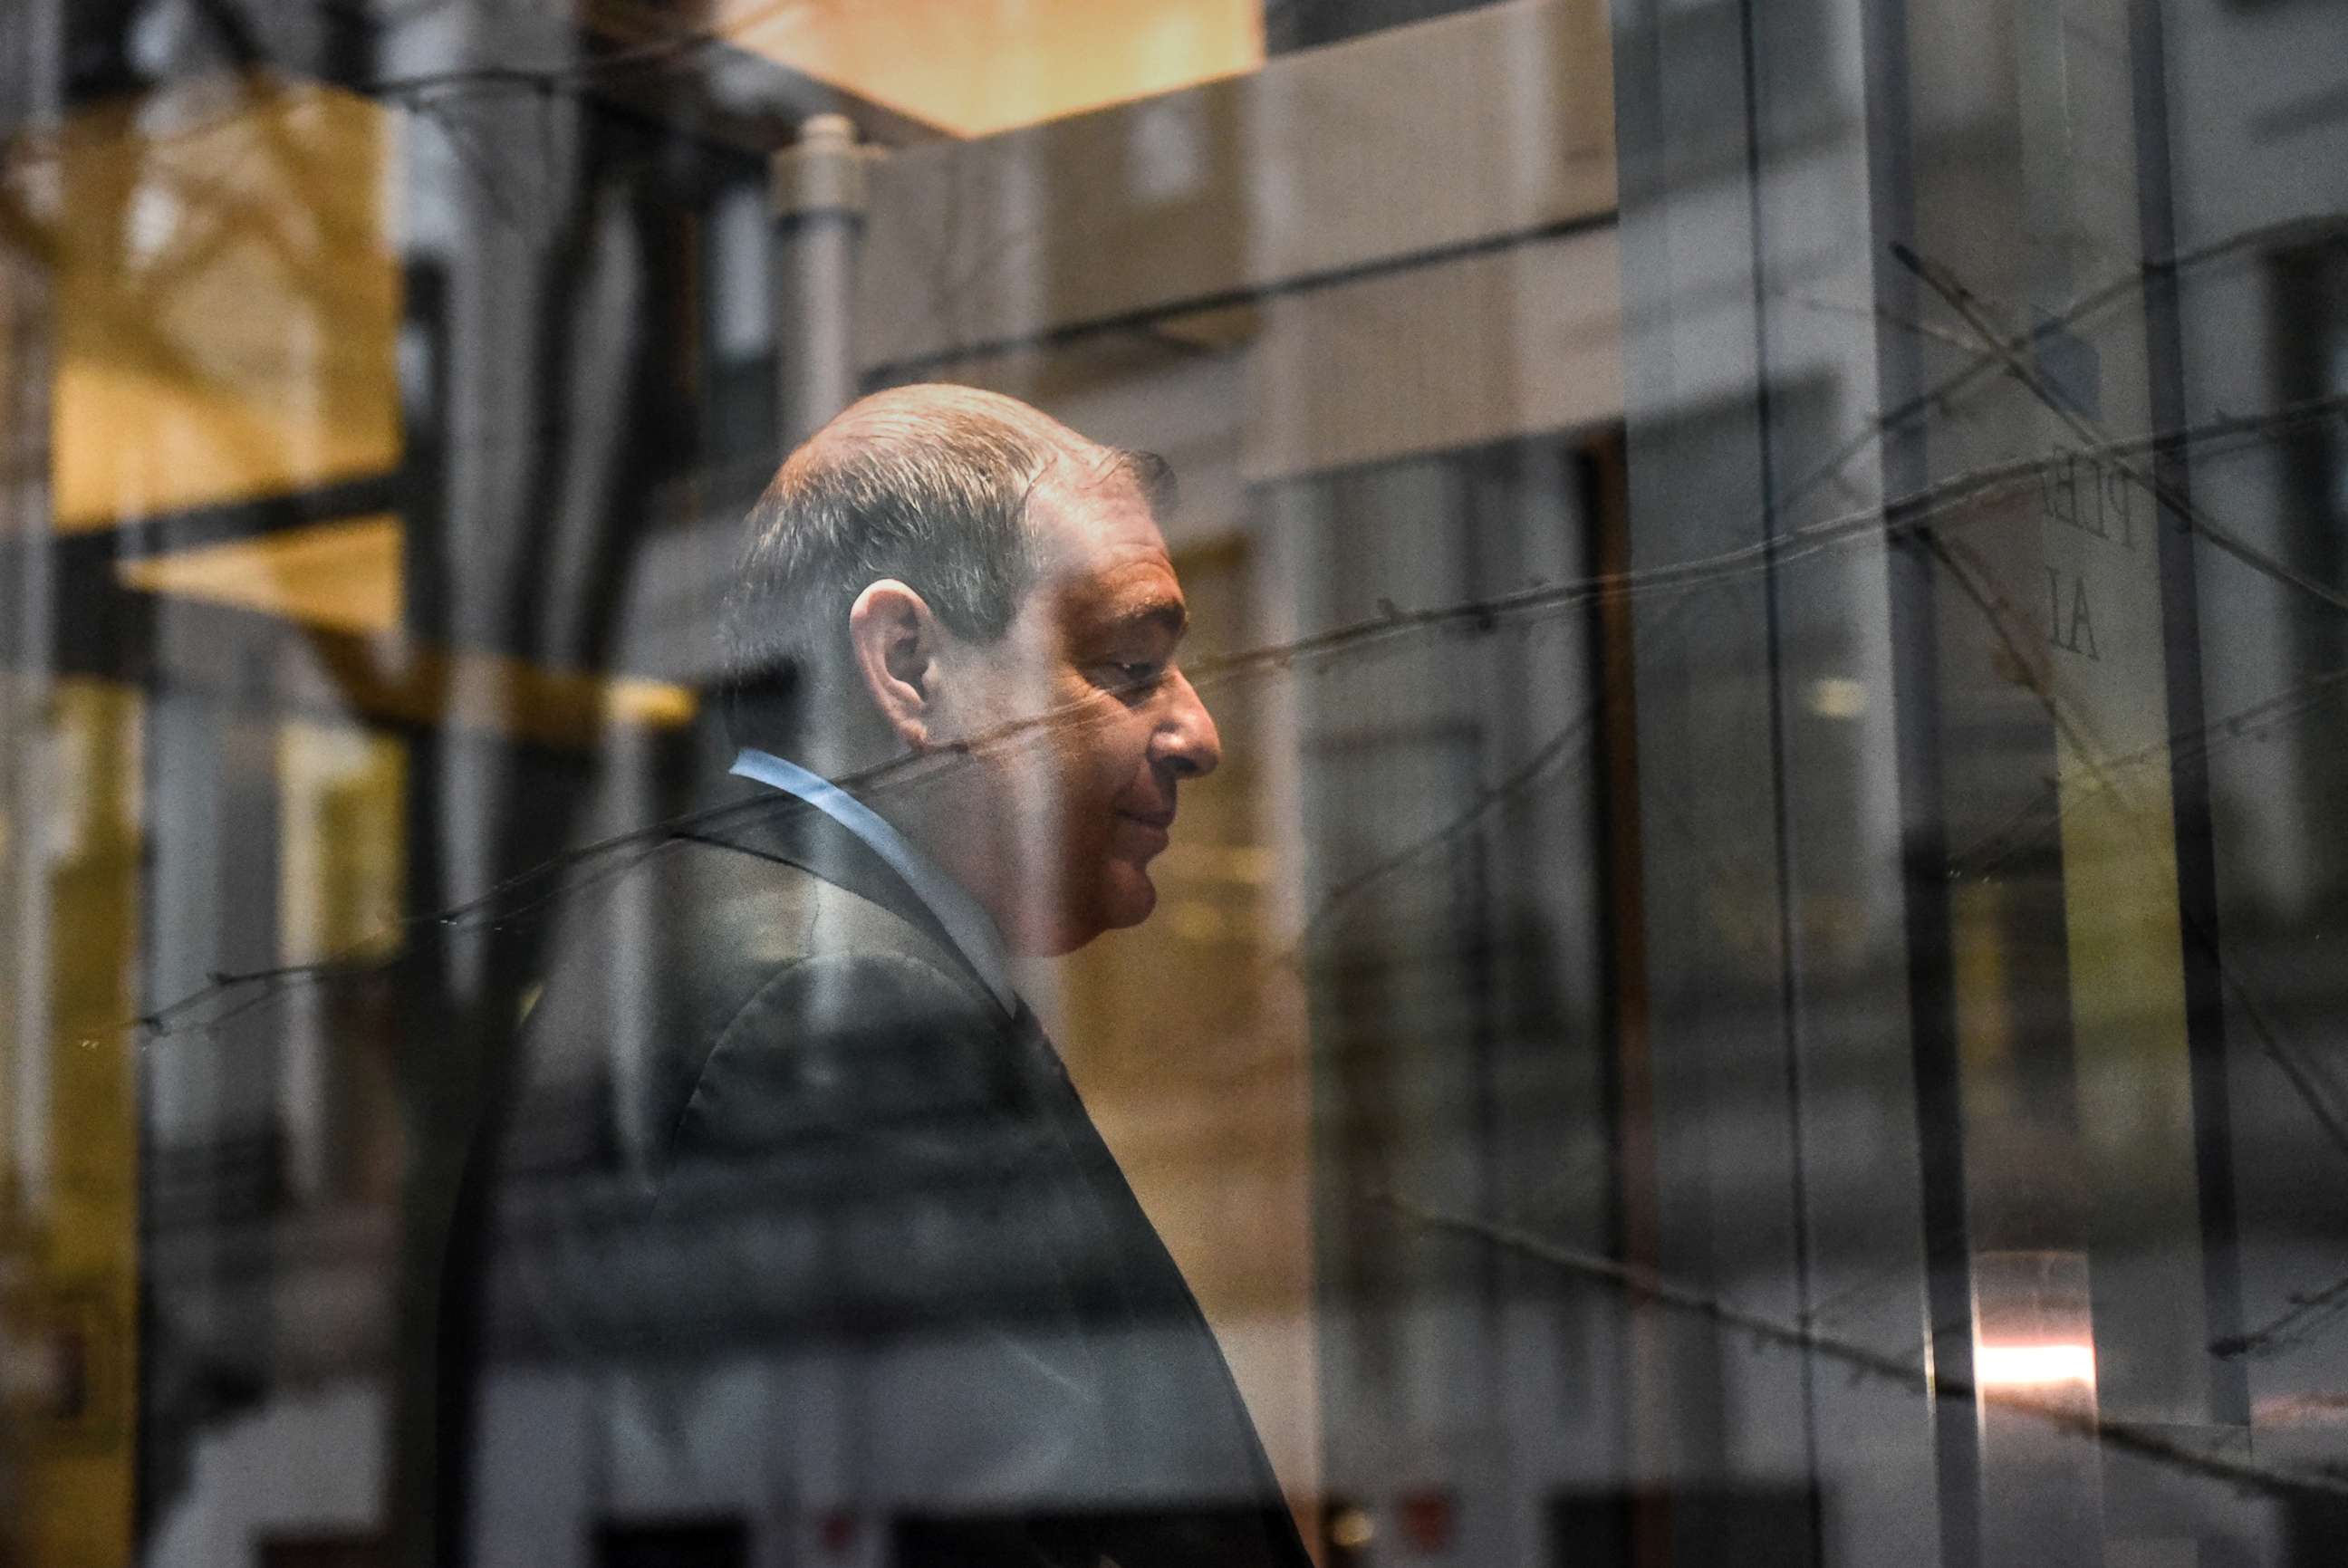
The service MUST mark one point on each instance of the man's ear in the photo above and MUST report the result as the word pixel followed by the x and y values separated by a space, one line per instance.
pixel 894 640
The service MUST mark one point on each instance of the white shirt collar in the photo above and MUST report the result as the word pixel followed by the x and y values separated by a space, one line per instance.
pixel 965 920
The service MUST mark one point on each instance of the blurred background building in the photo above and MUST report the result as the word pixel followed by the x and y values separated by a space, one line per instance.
pixel 1763 982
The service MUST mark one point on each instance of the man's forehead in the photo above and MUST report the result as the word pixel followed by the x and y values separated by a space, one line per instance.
pixel 1105 526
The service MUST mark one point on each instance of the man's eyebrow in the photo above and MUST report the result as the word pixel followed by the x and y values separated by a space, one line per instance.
pixel 1156 614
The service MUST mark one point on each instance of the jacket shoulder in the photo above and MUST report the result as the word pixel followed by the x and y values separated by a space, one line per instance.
pixel 825 1004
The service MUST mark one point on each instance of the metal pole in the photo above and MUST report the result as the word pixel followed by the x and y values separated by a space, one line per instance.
pixel 819 191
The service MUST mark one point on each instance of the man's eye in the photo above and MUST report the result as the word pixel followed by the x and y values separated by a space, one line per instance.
pixel 1136 674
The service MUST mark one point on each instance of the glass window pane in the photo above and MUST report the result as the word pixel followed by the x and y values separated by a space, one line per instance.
pixel 1537 782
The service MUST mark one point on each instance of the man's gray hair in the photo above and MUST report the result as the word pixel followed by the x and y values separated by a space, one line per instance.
pixel 926 484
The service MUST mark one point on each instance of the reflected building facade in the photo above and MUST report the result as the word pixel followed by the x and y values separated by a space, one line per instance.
pixel 1757 983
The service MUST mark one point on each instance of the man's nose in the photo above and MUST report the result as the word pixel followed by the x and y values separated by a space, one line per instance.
pixel 1186 741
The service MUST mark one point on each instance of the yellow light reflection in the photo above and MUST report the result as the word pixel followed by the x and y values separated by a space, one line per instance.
pixel 974 66
pixel 1352 1529
pixel 341 842
pixel 500 695
pixel 344 576
pixel 70 1193
pixel 227 304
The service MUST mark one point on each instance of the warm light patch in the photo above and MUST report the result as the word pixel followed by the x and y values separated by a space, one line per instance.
pixel 415 682
pixel 1837 697
pixel 974 66
pixel 633 701
pixel 1353 1530
pixel 227 303
pixel 2034 1366
pixel 344 576
pixel 342 876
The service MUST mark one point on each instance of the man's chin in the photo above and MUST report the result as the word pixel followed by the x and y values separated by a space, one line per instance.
pixel 1122 904
pixel 1132 903
pixel 1125 897
pixel 1128 898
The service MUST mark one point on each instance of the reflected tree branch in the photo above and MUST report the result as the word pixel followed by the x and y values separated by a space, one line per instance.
pixel 1938 399
pixel 1916 515
pixel 2310 1311
pixel 646 56
pixel 1963 300
pixel 2304 1081
pixel 1904 1372
pixel 1930 507
pixel 1880 314
pixel 2055 803
pixel 2013 627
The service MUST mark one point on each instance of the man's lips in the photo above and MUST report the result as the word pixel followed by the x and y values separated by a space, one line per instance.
pixel 1149 828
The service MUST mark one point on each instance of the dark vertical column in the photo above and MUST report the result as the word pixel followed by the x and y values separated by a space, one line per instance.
pixel 1773 795
pixel 1631 1088
pixel 1683 467
pixel 2197 873
pixel 496 214
pixel 1699 392
pixel 242 914
pixel 1916 698
pixel 426 1473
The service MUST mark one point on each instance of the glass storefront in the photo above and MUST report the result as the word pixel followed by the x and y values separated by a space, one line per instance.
pixel 1761 979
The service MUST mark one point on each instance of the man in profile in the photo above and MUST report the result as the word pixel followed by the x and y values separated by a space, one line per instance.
pixel 787 1159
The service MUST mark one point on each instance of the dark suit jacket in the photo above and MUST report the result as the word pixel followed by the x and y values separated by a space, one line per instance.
pixel 766 1115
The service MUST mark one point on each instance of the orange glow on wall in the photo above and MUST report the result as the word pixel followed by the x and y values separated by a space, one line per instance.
pixel 972 66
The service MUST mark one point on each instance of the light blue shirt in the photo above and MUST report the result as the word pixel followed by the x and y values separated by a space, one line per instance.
pixel 972 929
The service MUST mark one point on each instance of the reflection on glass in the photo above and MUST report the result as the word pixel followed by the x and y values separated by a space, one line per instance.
pixel 1756 980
